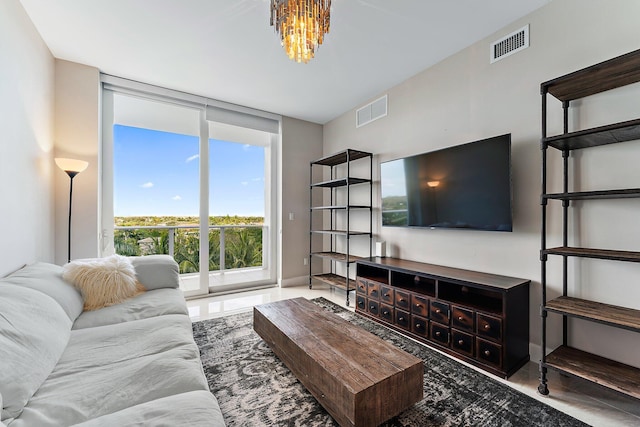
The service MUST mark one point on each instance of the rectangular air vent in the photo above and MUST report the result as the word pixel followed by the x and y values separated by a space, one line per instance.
pixel 371 112
pixel 510 44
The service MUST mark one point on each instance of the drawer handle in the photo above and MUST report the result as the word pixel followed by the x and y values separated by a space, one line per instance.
pixel 438 311
pixel 460 318
pixel 400 319
pixel 460 342
pixel 387 295
pixel 418 305
pixel 386 312
pixel 418 326
pixel 487 326
pixel 438 333
pixel 372 307
pixel 487 353
pixel 360 304
pixel 402 300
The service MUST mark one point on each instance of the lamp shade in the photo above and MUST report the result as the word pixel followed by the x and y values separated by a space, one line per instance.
pixel 71 165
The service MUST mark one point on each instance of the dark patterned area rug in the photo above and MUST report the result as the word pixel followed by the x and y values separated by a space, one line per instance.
pixel 254 388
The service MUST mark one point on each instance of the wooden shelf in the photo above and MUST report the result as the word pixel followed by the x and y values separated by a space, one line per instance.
pixel 317 208
pixel 341 157
pixel 595 253
pixel 603 135
pixel 613 315
pixel 606 372
pixel 628 193
pixel 335 280
pixel 342 232
pixel 337 256
pixel 340 182
pixel 617 72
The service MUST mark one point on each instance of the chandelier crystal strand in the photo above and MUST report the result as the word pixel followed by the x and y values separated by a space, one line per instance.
pixel 301 25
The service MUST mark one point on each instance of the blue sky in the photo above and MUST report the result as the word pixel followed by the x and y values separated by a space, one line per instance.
pixel 156 174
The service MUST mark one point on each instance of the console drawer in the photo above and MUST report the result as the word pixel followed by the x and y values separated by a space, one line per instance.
pixel 489 352
pixel 361 302
pixel 402 319
pixel 420 326
pixel 373 290
pixel 402 300
pixel 420 305
pixel 440 333
pixel 440 312
pixel 489 327
pixel 461 342
pixel 386 294
pixel 386 312
pixel 361 285
pixel 462 318
pixel 373 307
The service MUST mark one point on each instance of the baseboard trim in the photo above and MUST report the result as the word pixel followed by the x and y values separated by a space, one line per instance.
pixel 294 281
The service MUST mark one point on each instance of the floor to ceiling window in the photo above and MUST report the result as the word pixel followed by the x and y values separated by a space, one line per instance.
pixel 174 171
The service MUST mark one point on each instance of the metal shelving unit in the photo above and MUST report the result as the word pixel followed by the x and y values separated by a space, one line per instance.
pixel 607 75
pixel 339 164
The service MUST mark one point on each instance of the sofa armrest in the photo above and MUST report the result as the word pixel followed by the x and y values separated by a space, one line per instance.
pixel 156 271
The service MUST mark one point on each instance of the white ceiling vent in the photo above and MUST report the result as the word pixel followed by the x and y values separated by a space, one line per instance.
pixel 510 44
pixel 371 112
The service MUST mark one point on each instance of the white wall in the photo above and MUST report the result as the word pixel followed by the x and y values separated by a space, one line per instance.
pixel 301 143
pixel 77 113
pixel 26 141
pixel 464 98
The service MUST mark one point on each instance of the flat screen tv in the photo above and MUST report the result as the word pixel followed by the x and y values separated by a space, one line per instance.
pixel 466 186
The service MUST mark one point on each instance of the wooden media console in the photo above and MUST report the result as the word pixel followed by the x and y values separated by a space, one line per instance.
pixel 477 317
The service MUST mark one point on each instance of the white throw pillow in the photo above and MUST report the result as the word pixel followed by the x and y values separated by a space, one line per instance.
pixel 103 281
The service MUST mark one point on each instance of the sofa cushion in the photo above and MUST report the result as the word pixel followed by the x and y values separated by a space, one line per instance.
pixel 156 271
pixel 34 331
pixel 103 281
pixel 148 304
pixel 47 278
pixel 196 409
pixel 109 368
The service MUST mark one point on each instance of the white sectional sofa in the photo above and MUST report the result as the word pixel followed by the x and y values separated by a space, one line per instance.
pixel 133 363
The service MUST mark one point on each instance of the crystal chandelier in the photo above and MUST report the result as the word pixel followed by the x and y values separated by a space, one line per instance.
pixel 302 25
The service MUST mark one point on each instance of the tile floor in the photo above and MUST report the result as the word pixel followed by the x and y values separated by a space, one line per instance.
pixel 588 402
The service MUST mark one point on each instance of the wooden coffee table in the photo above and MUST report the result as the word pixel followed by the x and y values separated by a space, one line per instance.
pixel 360 379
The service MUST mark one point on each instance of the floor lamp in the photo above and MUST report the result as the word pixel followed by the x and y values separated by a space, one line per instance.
pixel 72 167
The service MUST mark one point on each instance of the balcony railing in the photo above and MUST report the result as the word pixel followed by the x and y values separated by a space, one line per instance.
pixel 230 246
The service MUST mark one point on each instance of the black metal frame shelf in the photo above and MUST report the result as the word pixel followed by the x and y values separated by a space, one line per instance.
pixel 603 135
pixel 627 193
pixel 607 314
pixel 337 163
pixel 615 73
pixel 629 256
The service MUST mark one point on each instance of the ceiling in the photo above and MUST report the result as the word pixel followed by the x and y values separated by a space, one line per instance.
pixel 226 49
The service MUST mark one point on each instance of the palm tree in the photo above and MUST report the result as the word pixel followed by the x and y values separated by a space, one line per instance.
pixel 187 253
pixel 244 249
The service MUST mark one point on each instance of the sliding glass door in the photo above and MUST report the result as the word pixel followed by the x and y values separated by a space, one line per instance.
pixel 174 172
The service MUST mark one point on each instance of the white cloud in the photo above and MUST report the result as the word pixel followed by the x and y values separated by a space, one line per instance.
pixel 147 185
pixel 257 179
pixel 244 183
pixel 192 158
pixel 177 197
pixel 246 147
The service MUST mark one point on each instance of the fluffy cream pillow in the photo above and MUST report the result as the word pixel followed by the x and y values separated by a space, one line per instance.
pixel 103 281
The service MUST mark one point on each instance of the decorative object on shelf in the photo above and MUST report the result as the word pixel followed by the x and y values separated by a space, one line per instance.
pixel 480 318
pixel 341 206
pixel 72 167
pixel 614 73
pixel 301 25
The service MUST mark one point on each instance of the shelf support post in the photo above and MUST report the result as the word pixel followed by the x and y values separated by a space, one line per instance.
pixel 542 387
